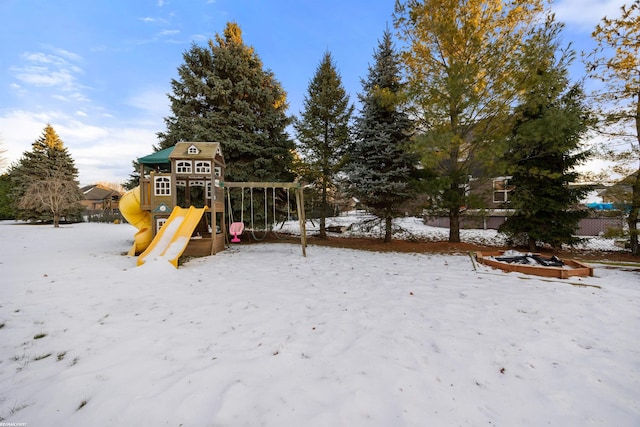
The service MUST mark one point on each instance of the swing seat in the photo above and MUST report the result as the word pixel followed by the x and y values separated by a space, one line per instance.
pixel 236 228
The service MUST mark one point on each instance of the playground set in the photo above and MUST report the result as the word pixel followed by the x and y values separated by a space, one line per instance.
pixel 179 207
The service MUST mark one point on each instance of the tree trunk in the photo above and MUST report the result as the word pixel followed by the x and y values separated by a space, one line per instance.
pixel 634 215
pixel 532 244
pixel 323 210
pixel 56 220
pixel 454 201
pixel 388 230
pixel 454 225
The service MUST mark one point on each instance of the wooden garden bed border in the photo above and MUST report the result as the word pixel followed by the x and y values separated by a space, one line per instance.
pixel 577 268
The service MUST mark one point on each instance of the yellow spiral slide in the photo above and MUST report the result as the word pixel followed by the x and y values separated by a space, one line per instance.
pixel 131 211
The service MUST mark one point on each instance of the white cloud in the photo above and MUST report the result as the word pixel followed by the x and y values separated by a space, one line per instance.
pixel 586 13
pixel 66 54
pixel 153 103
pixel 169 32
pixel 47 70
pixel 101 153
pixel 200 37
pixel 71 97
pixel 19 131
pixel 43 76
pixel 152 20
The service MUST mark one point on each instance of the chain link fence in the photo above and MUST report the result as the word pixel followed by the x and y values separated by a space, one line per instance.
pixel 597 233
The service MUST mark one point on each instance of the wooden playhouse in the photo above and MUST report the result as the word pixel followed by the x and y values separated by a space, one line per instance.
pixel 187 175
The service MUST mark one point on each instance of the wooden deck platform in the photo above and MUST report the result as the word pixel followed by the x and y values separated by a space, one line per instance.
pixel 202 247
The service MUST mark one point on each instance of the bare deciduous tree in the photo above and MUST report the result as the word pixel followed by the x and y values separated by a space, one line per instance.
pixel 616 63
pixel 55 194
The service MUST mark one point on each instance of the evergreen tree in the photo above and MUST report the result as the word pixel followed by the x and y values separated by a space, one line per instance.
pixel 6 211
pixel 223 94
pixel 380 162
pixel 323 130
pixel 44 182
pixel 134 177
pixel 544 147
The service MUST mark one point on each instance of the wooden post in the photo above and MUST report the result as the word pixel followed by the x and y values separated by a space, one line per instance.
pixel 214 235
pixel 225 229
pixel 302 219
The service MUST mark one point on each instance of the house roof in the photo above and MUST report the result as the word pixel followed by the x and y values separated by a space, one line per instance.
pixel 96 192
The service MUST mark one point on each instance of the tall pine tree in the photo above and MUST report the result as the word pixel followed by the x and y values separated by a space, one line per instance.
pixel 6 210
pixel 44 182
pixel 380 162
pixel 223 94
pixel 323 130
pixel 545 145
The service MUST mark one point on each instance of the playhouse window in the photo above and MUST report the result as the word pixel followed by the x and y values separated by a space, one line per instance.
pixel 501 189
pixel 162 186
pixel 203 167
pixel 193 150
pixel 183 166
pixel 218 172
pixel 160 222
pixel 208 190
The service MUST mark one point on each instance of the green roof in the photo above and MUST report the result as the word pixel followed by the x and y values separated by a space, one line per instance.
pixel 158 158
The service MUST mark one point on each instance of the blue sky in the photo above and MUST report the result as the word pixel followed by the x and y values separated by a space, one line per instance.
pixel 98 71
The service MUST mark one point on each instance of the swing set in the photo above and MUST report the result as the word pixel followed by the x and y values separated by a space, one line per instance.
pixel 236 228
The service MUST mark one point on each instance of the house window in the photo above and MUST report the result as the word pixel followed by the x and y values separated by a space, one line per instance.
pixel 218 171
pixel 208 190
pixel 501 189
pixel 162 186
pixel 183 166
pixel 203 167
pixel 466 187
pixel 193 150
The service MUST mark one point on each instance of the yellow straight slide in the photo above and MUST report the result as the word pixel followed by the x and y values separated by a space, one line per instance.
pixel 173 238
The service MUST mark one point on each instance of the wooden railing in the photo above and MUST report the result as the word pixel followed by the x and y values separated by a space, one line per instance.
pixel 145 193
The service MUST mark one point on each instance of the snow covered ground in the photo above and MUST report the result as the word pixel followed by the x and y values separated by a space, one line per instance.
pixel 259 335
pixel 364 225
